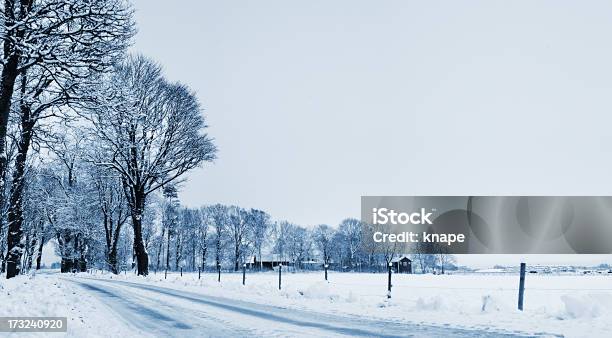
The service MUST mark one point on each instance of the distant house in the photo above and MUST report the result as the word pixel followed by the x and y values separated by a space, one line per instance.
pixel 267 262
pixel 402 264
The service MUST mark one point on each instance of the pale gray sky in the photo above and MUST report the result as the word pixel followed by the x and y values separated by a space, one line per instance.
pixel 315 103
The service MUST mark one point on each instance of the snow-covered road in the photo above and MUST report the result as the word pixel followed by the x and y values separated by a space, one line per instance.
pixel 153 310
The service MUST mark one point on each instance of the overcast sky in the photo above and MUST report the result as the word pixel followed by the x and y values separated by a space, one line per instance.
pixel 315 103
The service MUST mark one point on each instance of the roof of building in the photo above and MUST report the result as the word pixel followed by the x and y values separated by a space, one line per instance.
pixel 400 258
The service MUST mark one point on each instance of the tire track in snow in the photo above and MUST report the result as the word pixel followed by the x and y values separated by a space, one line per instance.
pixel 315 322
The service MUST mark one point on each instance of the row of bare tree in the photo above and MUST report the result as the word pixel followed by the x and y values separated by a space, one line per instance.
pixel 87 132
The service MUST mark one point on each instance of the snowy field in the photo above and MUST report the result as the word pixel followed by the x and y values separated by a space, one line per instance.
pixel 568 305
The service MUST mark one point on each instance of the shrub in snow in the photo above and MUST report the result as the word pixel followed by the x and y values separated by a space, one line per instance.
pixel 587 306
pixel 492 304
pixel 352 298
pixel 431 304
pixel 318 290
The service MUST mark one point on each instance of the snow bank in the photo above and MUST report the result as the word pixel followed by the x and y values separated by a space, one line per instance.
pixel 47 295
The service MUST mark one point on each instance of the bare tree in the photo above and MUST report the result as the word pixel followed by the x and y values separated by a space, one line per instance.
pixel 238 227
pixel 71 37
pixel 169 219
pixel 152 132
pixel 112 205
pixel 350 229
pixel 219 218
pixel 282 236
pixel 323 235
pixel 259 222
pixel 203 234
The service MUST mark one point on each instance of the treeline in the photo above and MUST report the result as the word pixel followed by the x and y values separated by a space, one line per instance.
pixel 216 237
pixel 88 133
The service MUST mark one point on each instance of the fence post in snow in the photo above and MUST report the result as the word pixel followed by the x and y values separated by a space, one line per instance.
pixel 521 287
pixel 243 273
pixel 280 268
pixel 199 272
pixel 389 282
pixel 326 266
pixel 181 271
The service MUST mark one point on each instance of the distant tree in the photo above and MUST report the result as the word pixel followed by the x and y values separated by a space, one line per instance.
pixel 350 229
pixel 300 245
pixel 444 258
pixel 113 207
pixel 169 219
pixel 190 225
pixel 219 216
pixel 282 238
pixel 323 236
pixel 73 201
pixel 259 222
pixel 423 255
pixel 238 231
pixel 203 237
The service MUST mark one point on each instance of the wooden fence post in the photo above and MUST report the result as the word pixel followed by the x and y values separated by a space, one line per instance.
pixel 389 282
pixel 521 287
pixel 326 266
pixel 280 268
pixel 243 273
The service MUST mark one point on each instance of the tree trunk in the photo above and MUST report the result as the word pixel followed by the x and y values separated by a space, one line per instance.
pixel 112 260
pixel 259 257
pixel 2 258
pixel 7 85
pixel 142 258
pixel 136 199
pixel 75 250
pixel 64 242
pixel 82 267
pixel 15 214
pixel 161 246
pixel 9 72
pixel 40 250
pixel 236 257
pixel 193 255
pixel 204 257
pixel 177 255
pixel 168 252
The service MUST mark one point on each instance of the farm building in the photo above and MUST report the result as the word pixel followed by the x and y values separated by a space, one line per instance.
pixel 267 262
pixel 402 264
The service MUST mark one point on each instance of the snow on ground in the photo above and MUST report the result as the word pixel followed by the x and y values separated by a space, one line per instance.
pixel 571 305
pixel 44 294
